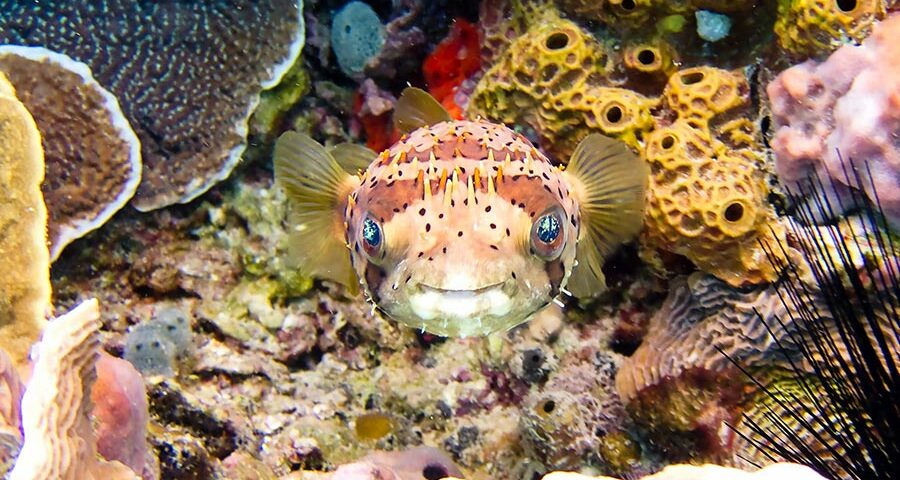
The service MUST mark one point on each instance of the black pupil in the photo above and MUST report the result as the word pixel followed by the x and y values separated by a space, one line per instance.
pixel 371 232
pixel 548 228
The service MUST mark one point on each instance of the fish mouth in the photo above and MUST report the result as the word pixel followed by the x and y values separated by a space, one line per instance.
pixel 462 292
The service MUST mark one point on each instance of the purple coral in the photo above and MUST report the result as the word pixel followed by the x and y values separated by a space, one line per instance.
pixel 847 108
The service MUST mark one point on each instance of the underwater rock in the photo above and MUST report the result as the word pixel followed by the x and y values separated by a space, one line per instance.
pixel 92 156
pixel 24 259
pixel 843 113
pixel 192 120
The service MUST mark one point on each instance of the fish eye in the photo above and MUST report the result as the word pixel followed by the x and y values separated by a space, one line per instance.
pixel 371 236
pixel 547 234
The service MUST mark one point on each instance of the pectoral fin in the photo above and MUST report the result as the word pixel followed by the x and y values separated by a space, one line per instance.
pixel 318 188
pixel 609 182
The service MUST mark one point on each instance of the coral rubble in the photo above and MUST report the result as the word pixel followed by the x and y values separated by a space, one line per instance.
pixel 92 157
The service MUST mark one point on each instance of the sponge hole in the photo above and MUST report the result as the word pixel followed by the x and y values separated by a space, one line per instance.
pixel 557 41
pixel 613 114
pixel 646 57
pixel 692 78
pixel 734 212
pixel 846 6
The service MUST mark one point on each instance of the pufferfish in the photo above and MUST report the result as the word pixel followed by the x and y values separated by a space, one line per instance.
pixel 461 228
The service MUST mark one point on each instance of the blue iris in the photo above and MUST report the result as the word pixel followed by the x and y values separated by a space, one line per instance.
pixel 371 232
pixel 548 228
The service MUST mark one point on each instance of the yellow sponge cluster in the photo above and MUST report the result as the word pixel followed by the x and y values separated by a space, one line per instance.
pixel 708 198
pixel 808 27
pixel 555 79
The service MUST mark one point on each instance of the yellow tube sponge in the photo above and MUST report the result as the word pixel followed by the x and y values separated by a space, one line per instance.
pixel 24 258
pixel 708 203
pixel 698 94
pixel 810 27
pixel 555 80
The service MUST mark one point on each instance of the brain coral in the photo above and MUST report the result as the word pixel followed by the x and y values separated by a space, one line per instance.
pixel 846 108
pixel 92 157
pixel 555 79
pixel 707 198
pixel 810 27
pixel 24 260
pixel 188 105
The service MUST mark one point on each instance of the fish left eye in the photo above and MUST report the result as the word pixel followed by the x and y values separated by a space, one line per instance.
pixel 547 235
pixel 372 237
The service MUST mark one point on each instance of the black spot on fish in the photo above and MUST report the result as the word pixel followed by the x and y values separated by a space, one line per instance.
pixel 440 215
pixel 444 250
pixel 494 247
pixel 493 226
pixel 421 254
pixel 507 232
pixel 422 212
pixel 459 233
pixel 546 177
pixel 513 275
pixel 487 209
pixel 427 227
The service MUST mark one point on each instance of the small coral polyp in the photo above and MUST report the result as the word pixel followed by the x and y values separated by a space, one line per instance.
pixel 811 27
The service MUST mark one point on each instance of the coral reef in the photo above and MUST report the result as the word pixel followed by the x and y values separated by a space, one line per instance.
pixel 680 382
pixel 92 157
pixel 708 199
pixel 843 110
pixel 192 120
pixel 59 442
pixel 812 27
pixel 24 260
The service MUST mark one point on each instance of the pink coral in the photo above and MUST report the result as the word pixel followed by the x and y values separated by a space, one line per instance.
pixel 120 413
pixel 845 108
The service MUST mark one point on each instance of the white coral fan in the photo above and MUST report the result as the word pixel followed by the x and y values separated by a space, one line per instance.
pixel 847 107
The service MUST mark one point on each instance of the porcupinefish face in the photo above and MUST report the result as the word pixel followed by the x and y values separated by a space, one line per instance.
pixel 462 228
